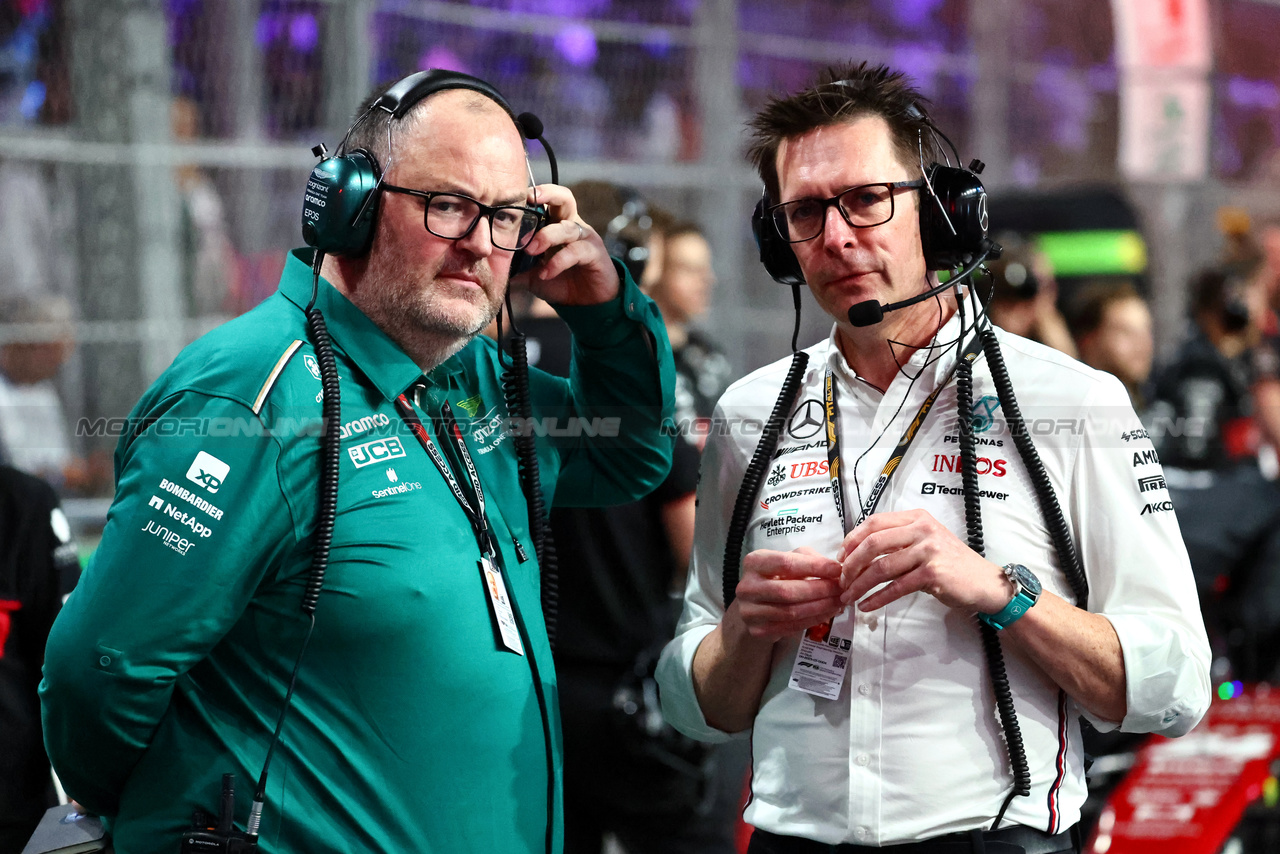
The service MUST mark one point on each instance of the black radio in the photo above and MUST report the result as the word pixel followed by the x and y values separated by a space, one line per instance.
pixel 210 836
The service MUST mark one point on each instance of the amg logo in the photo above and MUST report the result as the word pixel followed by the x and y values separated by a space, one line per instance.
pixel 1158 507
pixel 376 452
pixel 1151 484
pixel 1142 458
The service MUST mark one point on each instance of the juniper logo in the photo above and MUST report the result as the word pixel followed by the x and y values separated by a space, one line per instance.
pixel 208 471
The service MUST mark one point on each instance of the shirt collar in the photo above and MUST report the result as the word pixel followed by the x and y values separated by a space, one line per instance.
pixel 378 357
pixel 936 360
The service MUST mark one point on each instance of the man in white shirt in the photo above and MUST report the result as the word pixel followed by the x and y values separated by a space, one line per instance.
pixel 852 653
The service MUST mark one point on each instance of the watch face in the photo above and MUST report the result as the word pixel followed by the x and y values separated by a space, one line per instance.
pixel 1027 579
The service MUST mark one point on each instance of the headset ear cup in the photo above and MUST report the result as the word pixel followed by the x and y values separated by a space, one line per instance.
pixel 338 210
pixel 958 201
pixel 776 254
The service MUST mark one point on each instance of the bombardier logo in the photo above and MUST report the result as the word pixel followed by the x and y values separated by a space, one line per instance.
pixel 376 452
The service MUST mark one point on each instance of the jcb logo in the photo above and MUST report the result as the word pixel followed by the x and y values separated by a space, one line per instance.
pixel 376 452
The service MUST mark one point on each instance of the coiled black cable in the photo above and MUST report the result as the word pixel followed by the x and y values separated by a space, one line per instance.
pixel 515 388
pixel 759 464
pixel 990 640
pixel 330 457
pixel 326 515
pixel 1068 556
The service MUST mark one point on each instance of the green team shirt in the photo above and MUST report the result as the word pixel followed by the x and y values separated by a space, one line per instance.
pixel 411 728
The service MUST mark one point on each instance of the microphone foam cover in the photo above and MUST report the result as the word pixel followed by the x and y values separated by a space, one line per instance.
pixel 530 125
pixel 866 313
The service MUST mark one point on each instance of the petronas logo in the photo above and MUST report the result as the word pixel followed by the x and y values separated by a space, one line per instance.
pixel 471 405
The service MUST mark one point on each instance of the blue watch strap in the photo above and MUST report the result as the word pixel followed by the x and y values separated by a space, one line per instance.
pixel 1018 605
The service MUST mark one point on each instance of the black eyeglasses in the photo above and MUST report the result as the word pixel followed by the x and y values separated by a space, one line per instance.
pixel 862 207
pixel 453 216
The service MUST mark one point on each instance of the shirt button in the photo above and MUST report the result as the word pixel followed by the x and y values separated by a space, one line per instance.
pixel 863 759
pixel 862 833
pixel 872 622
pixel 864 689
pixel 105 661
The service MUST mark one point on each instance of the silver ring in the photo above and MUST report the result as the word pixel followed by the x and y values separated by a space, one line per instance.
pixel 582 232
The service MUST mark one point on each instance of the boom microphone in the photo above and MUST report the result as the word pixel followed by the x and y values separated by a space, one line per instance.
pixel 870 312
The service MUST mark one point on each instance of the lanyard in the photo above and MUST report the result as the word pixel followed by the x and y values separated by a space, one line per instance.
pixel 475 515
pixel 832 415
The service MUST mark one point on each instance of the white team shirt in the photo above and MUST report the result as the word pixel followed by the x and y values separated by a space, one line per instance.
pixel 912 747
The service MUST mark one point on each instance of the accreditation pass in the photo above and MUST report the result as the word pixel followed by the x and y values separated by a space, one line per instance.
pixel 823 657
pixel 501 604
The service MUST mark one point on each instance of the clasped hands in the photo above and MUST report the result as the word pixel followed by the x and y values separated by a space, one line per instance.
pixel 783 593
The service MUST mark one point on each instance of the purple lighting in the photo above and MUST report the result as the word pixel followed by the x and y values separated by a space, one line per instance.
pixel 577 44
pixel 304 32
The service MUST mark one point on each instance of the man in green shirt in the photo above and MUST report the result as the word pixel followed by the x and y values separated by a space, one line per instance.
pixel 415 723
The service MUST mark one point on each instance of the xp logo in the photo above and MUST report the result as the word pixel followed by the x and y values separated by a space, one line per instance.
pixel 806 421
pixel 312 365
pixel 376 452
pixel 983 413
pixel 208 471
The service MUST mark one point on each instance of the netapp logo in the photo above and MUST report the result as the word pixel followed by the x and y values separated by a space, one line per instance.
pixel 1157 507
pixel 943 489
pixel 1151 484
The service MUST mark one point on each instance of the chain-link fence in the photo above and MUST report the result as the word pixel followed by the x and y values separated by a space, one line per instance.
pixel 152 153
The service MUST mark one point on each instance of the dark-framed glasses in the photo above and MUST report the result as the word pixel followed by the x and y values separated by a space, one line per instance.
pixel 864 206
pixel 453 216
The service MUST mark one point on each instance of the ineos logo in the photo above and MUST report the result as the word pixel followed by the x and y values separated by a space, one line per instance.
pixel 807 420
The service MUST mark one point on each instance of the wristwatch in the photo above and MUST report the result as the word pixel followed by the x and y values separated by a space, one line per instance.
pixel 1026 593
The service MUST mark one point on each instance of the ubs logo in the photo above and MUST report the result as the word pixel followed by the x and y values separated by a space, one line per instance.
pixel 806 421
pixel 376 452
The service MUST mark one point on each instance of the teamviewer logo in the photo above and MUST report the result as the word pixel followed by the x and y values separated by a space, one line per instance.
pixel 208 471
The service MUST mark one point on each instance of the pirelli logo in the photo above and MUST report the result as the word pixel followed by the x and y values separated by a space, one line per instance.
pixel 376 452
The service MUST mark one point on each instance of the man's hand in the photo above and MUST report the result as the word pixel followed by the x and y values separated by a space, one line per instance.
pixel 914 551
pixel 783 593
pixel 779 595
pixel 575 268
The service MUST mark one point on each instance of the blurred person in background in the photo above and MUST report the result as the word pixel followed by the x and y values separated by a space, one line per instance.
pixel 682 289
pixel 211 269
pixel 627 773
pixel 1201 422
pixel 38 568
pixel 1111 324
pixel 34 433
pixel 1266 355
pixel 1024 296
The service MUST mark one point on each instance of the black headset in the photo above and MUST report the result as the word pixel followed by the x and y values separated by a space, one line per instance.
pixel 953 221
pixel 340 207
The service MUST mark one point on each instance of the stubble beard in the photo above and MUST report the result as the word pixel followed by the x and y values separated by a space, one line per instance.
pixel 406 303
